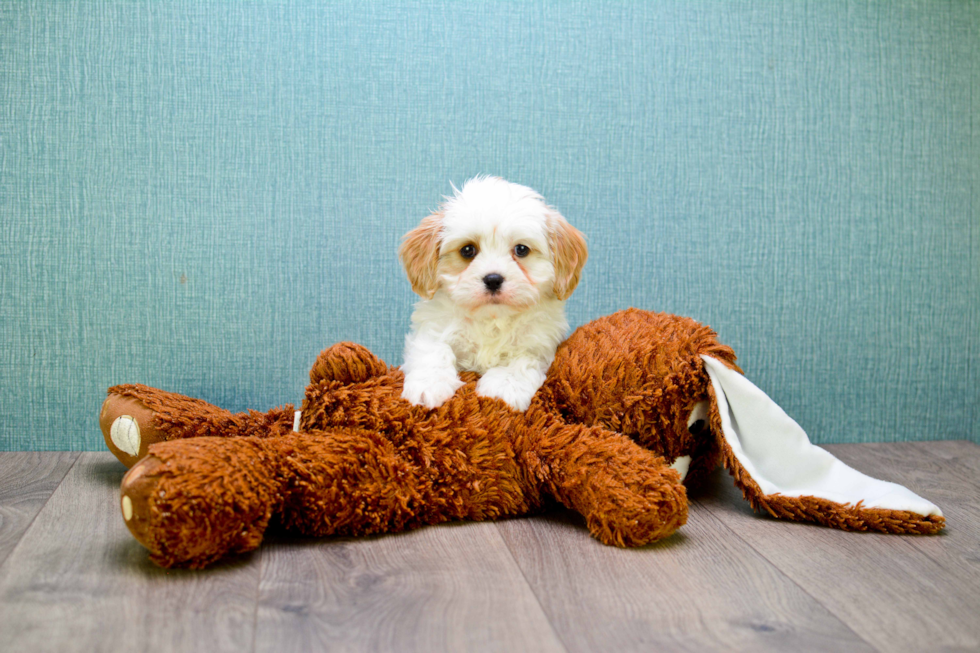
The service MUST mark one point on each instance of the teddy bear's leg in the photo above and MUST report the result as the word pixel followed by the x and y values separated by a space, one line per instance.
pixel 628 495
pixel 133 417
pixel 192 501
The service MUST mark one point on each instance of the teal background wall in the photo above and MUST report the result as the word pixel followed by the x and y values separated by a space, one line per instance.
pixel 202 195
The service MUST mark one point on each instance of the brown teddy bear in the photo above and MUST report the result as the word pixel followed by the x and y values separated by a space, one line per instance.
pixel 634 403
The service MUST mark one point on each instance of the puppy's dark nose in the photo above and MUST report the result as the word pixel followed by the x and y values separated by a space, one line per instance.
pixel 493 281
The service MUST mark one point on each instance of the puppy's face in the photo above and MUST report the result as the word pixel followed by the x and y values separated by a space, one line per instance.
pixel 494 246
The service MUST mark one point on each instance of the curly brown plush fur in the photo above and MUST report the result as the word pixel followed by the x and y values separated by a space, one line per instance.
pixel 598 438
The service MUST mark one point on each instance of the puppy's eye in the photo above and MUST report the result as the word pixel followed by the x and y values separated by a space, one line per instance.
pixel 467 251
pixel 520 251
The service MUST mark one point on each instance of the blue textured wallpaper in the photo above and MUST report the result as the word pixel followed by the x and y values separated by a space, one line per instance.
pixel 202 195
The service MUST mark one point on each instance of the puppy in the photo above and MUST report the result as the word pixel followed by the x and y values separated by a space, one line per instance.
pixel 494 266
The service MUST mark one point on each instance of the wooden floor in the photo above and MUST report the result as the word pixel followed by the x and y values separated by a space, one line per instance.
pixel 72 579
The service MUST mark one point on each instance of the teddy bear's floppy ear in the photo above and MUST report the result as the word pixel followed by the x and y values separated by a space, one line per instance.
pixel 779 470
pixel 419 254
pixel 568 253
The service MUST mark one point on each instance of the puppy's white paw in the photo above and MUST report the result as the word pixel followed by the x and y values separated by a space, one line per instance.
pixel 430 388
pixel 516 391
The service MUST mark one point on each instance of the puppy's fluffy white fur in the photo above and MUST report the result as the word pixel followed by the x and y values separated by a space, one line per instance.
pixel 507 334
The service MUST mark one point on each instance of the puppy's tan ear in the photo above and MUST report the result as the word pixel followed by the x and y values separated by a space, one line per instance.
pixel 568 252
pixel 420 255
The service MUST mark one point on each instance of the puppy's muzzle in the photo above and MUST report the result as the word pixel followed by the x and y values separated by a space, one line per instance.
pixel 493 282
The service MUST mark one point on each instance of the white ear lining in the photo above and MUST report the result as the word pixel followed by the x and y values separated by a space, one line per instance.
pixel 778 455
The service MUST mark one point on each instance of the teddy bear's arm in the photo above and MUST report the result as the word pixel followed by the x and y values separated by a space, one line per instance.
pixel 627 494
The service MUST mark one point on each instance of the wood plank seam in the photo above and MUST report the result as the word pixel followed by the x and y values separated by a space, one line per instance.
pixel 258 597
pixel 530 588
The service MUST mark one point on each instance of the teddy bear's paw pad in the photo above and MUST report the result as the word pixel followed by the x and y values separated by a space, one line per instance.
pixel 681 465
pixel 134 496
pixel 697 421
pixel 128 427
pixel 125 434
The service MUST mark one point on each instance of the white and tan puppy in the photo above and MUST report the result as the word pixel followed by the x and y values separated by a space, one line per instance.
pixel 494 266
